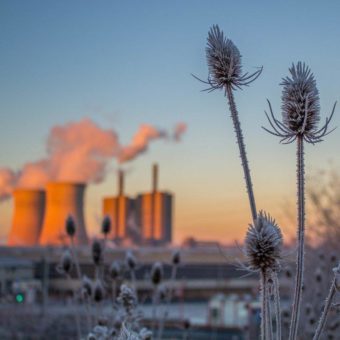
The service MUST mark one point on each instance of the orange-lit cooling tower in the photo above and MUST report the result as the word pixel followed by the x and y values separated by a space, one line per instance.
pixel 63 199
pixel 28 217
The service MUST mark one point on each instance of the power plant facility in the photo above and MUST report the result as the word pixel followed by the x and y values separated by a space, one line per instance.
pixel 63 199
pixel 120 209
pixel 154 213
pixel 29 207
pixel 146 219
pixel 39 215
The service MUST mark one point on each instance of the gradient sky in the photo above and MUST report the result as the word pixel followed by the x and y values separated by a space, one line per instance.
pixel 126 63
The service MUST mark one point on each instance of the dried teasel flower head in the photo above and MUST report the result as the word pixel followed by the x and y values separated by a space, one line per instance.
pixel 106 225
pixel 86 286
pixel 98 291
pixel 263 244
pixel 97 252
pixel 65 263
pixel 130 260
pixel 127 298
pixel 70 226
pixel 157 273
pixel 176 257
pixel 115 270
pixel 224 63
pixel 300 108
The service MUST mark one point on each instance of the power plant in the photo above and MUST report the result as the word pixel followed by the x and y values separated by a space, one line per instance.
pixel 154 213
pixel 29 206
pixel 63 199
pixel 39 216
pixel 120 209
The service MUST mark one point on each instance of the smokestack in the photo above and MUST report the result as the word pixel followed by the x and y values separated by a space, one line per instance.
pixel 155 177
pixel 120 183
pixel 28 217
pixel 63 199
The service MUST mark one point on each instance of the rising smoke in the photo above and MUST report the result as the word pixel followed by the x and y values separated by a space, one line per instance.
pixel 79 152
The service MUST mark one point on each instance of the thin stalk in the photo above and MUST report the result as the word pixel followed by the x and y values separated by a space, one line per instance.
pixel 154 309
pixel 76 315
pixel 264 306
pixel 168 300
pixel 270 318
pixel 75 258
pixel 300 236
pixel 242 149
pixel 277 306
pixel 326 309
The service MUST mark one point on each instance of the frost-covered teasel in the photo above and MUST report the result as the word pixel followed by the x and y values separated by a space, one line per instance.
pixel 86 286
pixel 130 260
pixel 116 270
pixel 106 225
pixel 263 244
pixel 97 252
pixel 70 226
pixel 127 298
pixel 65 263
pixel 300 108
pixel 224 63
pixel 176 257
pixel 98 291
pixel 157 273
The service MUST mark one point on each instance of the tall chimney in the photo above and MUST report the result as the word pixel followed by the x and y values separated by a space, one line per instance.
pixel 63 199
pixel 28 217
pixel 120 183
pixel 155 177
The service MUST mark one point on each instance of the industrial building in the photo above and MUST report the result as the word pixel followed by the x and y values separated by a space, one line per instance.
pixel 154 213
pixel 63 199
pixel 120 209
pixel 146 219
pixel 29 207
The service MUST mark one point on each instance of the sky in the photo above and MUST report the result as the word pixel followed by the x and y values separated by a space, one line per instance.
pixel 123 64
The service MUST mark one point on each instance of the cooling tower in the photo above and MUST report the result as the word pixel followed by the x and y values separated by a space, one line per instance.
pixel 63 199
pixel 28 217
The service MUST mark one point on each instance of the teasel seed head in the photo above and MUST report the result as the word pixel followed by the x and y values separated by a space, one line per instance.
pixel 263 244
pixel 130 260
pixel 98 291
pixel 157 273
pixel 115 270
pixel 106 225
pixel 224 63
pixel 127 298
pixel 300 108
pixel 70 226
pixel 97 252
pixel 176 257
pixel 86 286
pixel 65 263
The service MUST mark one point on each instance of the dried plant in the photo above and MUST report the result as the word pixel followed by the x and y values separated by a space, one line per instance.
pixel 300 117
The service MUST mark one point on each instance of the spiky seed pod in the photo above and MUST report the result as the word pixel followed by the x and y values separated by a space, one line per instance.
pixel 86 286
pixel 145 334
pixel 263 244
pixel 98 291
pixel 106 225
pixel 224 62
pixel 70 226
pixel 115 270
pixel 300 100
pixel 66 263
pixel 97 252
pixel 176 257
pixel 130 260
pixel 127 298
pixel 300 108
pixel 157 273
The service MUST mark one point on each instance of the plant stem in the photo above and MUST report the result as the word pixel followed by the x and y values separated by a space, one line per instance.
pixel 300 235
pixel 326 309
pixel 75 259
pixel 243 155
pixel 264 306
pixel 277 306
